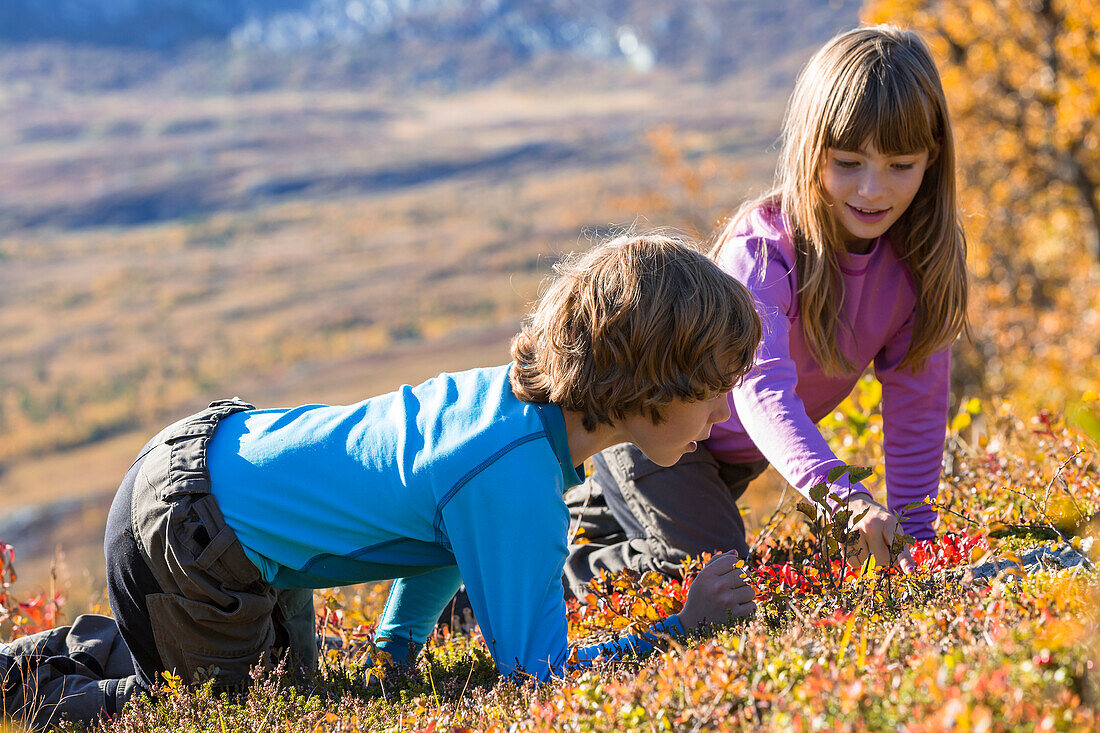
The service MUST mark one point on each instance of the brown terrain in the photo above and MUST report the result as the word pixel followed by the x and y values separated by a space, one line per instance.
pixel 161 250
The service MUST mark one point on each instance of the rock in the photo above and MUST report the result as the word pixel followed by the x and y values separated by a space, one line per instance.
pixel 1049 557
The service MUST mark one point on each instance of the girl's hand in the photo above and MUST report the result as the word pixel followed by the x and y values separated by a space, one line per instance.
pixel 719 591
pixel 876 533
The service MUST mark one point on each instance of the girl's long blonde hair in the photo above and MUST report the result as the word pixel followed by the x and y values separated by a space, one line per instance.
pixel 880 85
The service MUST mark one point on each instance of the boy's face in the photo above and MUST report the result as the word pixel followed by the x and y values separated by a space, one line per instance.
pixel 684 425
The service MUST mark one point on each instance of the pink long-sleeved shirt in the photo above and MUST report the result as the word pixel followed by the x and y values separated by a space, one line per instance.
pixel 776 407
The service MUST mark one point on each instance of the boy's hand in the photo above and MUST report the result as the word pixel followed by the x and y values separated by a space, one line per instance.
pixel 876 532
pixel 719 591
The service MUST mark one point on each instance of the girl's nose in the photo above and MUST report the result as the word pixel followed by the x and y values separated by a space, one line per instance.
pixel 870 184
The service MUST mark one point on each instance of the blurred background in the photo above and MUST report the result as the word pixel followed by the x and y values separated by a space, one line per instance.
pixel 319 200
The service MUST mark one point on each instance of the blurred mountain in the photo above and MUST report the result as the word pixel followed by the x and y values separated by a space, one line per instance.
pixel 130 23
pixel 449 42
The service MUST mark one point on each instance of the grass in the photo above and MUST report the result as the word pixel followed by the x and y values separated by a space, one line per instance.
pixel 932 651
pixel 334 292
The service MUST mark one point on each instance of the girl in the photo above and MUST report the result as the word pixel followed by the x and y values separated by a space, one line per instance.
pixel 856 257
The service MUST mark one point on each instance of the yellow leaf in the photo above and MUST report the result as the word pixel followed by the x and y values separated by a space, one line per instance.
pixel 960 422
pixel 845 638
pixel 870 394
pixel 861 650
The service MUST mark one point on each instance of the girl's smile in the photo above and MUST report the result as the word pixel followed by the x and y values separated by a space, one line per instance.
pixel 868 216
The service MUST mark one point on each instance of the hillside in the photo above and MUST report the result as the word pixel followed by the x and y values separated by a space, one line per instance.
pixel 316 200
pixel 168 236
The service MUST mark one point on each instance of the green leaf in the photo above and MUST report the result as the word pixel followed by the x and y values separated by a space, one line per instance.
pixel 1036 531
pixel 900 542
pixel 1087 419
pixel 859 473
pixel 836 472
pixel 817 493
pixel 807 508
pixel 858 423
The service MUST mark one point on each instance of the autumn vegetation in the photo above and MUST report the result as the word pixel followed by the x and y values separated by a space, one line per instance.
pixel 995 631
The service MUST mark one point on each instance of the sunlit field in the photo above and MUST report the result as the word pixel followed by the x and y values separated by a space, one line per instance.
pixel 159 250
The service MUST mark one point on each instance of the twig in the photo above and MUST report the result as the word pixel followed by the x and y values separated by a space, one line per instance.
pixel 770 525
pixel 1045 517
pixel 942 507
pixel 580 516
pixel 1058 473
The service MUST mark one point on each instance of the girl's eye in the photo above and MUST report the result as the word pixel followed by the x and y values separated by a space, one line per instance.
pixel 847 163
pixel 903 166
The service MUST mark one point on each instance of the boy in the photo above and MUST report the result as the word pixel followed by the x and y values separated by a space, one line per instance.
pixel 229 517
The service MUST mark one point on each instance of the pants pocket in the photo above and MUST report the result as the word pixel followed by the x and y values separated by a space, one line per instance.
pixel 192 635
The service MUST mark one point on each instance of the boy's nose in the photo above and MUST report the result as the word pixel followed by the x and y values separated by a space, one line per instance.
pixel 722 410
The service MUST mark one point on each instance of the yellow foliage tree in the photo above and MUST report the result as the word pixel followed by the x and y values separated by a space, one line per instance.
pixel 1023 79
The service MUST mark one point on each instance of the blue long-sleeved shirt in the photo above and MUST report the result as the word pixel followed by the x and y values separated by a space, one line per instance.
pixel 454 480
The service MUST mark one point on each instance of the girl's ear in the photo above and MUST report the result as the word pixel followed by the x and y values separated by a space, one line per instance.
pixel 933 154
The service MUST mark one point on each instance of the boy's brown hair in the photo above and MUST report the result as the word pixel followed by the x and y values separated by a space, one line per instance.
pixel 631 325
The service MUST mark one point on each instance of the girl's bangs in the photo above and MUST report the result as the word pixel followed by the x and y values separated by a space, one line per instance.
pixel 889 110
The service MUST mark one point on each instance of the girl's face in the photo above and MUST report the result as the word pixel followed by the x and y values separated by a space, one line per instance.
pixel 868 191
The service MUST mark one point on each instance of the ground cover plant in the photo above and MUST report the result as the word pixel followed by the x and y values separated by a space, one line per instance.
pixel 996 630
